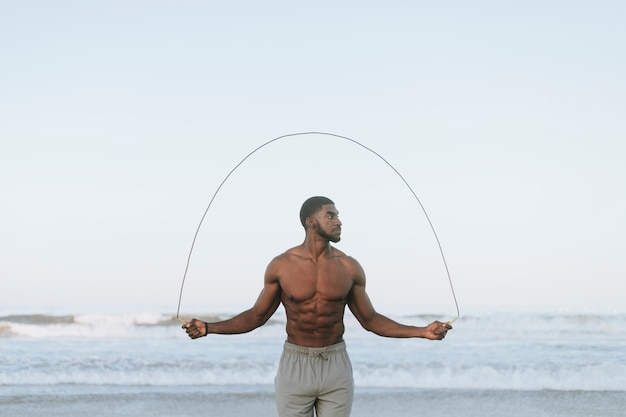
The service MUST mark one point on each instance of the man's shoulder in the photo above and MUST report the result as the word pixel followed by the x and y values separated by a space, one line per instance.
pixel 286 255
pixel 339 253
pixel 344 257
pixel 295 251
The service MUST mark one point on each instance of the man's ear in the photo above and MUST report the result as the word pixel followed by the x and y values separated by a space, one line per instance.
pixel 309 222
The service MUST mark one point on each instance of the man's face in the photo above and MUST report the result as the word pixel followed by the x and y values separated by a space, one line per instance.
pixel 327 223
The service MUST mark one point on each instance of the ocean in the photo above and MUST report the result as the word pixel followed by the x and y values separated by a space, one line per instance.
pixel 144 365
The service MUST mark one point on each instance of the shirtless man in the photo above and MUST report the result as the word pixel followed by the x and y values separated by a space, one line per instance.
pixel 315 281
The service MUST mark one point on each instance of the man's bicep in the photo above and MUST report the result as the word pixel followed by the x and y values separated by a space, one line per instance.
pixel 269 298
pixel 360 304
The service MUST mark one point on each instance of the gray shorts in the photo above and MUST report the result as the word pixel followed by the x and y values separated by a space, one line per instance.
pixel 314 378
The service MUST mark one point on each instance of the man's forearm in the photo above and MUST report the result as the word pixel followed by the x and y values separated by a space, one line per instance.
pixel 241 323
pixel 384 326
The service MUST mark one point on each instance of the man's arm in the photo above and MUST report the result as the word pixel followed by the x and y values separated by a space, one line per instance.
pixel 264 307
pixel 362 308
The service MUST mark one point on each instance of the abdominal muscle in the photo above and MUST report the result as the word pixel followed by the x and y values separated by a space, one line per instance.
pixel 314 323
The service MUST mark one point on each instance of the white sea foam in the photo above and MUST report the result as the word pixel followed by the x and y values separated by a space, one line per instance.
pixel 516 352
pixel 93 371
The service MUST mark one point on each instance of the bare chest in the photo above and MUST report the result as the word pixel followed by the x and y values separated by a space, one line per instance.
pixel 328 281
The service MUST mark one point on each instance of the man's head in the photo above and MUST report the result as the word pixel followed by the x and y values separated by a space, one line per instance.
pixel 319 215
pixel 311 206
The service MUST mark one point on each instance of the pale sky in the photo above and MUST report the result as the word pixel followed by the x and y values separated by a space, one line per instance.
pixel 118 120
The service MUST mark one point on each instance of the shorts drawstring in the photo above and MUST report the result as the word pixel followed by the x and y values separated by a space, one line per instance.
pixel 320 354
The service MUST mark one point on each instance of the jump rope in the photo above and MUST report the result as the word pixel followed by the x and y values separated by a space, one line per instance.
pixel 443 257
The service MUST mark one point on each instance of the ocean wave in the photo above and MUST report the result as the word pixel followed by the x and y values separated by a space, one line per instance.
pixel 518 352
pixel 506 326
pixel 570 377
pixel 96 371
pixel 87 325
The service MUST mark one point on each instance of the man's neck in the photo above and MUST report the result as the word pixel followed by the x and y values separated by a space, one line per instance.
pixel 317 247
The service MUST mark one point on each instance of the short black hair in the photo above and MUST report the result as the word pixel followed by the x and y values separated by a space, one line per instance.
pixel 311 205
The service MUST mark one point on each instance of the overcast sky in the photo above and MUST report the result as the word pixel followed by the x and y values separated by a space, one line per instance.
pixel 119 120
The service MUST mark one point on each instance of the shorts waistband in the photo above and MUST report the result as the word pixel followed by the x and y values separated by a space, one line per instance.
pixel 316 351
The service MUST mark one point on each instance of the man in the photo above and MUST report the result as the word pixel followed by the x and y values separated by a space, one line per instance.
pixel 314 282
